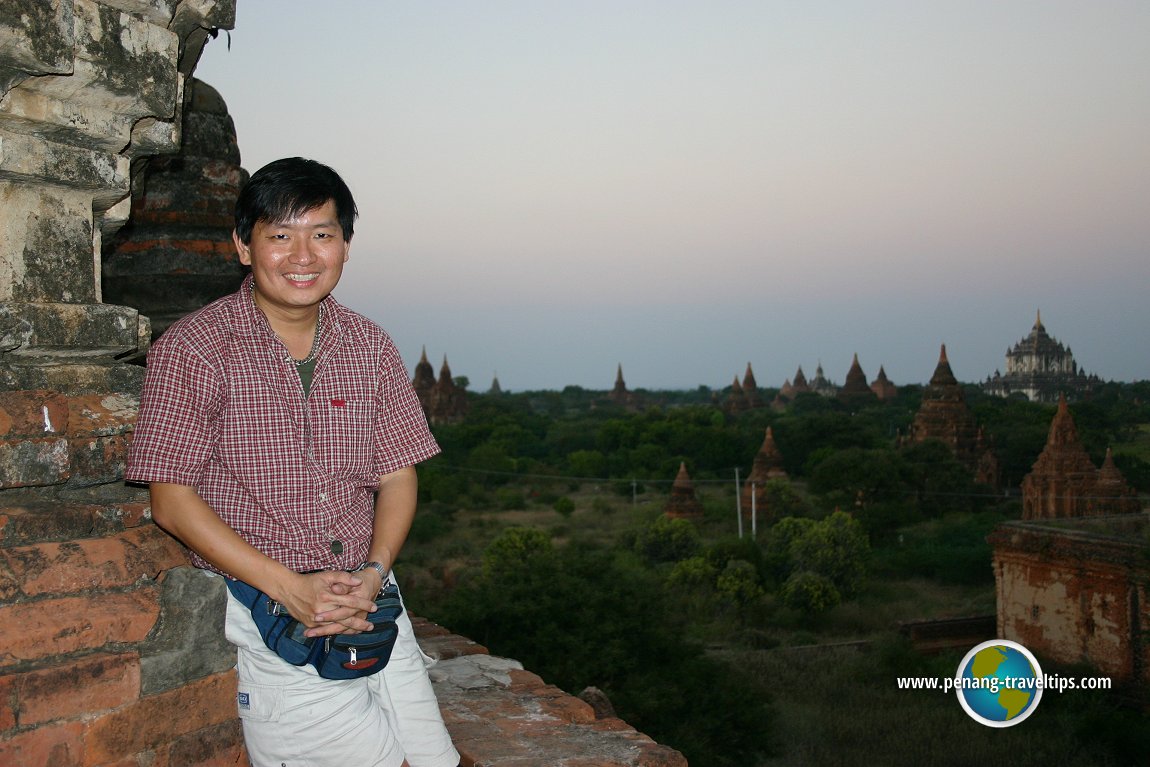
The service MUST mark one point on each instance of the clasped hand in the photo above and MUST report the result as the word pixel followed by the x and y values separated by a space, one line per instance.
pixel 332 602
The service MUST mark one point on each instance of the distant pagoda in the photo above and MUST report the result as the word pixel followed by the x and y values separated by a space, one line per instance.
pixel 768 465
pixel 1065 483
pixel 855 391
pixel 821 385
pixel 443 400
pixel 945 416
pixel 682 504
pixel 882 387
pixel 620 394
pixel 1041 369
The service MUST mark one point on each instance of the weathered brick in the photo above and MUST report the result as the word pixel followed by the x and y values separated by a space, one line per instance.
pixel 102 415
pixel 161 718
pixel 34 413
pixel 97 460
pixel 37 521
pixel 95 563
pixel 9 701
pixel 221 745
pixel 133 514
pixel 59 745
pixel 67 691
pixel 34 462
pixel 45 628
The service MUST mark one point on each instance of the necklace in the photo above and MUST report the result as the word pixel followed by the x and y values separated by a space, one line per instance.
pixel 314 342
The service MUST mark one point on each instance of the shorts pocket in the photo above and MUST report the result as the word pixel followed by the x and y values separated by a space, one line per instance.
pixel 260 702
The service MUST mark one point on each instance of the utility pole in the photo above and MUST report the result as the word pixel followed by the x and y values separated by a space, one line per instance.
pixel 738 503
pixel 754 516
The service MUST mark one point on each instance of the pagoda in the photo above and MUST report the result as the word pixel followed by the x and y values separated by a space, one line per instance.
pixel 1041 369
pixel 446 401
pixel 751 389
pixel 820 384
pixel 683 504
pixel 855 391
pixel 424 380
pixel 945 416
pixel 1065 483
pixel 176 254
pixel 882 387
pixel 768 465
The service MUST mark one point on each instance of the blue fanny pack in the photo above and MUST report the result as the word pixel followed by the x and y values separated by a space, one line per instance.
pixel 343 656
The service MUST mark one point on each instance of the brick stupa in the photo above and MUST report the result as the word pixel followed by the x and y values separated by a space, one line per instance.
pixel 683 504
pixel 1065 483
pixel 945 416
pixel 768 465
pixel 855 390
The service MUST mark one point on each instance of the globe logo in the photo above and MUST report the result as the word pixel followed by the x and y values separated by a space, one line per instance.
pixel 999 683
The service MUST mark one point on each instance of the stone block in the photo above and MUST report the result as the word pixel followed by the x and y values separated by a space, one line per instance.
pixel 34 159
pixel 33 414
pixel 97 460
pixel 121 63
pixel 101 415
pixel 162 718
pixel 49 694
pixel 112 562
pixel 58 745
pixel 36 36
pixel 34 462
pixel 45 245
pixel 34 631
pixel 73 376
pixel 189 641
pixel 32 521
pixel 66 122
pixel 67 330
pixel 221 745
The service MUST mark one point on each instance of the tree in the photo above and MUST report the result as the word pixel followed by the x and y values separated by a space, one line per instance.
pixel 667 540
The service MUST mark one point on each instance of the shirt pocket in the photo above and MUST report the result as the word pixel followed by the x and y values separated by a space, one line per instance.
pixel 344 435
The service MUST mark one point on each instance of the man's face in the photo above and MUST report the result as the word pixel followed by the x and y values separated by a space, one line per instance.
pixel 295 263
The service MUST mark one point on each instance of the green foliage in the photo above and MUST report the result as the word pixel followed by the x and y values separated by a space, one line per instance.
pixel 516 548
pixel 949 550
pixel 581 616
pixel 739 583
pixel 692 572
pixel 667 540
pixel 510 499
pixel 434 520
pixel 564 506
pixel 835 547
pixel 810 592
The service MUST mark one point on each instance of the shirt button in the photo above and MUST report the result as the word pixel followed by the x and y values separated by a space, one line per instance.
pixel 337 547
pixel 323 496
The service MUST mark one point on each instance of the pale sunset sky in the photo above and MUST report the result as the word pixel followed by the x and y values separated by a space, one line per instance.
pixel 550 189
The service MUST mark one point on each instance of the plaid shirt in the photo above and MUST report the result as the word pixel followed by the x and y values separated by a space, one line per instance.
pixel 223 411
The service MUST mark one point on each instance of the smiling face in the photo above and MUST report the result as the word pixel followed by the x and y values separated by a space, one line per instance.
pixel 295 263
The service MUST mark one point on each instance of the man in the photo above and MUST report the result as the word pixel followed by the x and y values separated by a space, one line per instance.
pixel 279 433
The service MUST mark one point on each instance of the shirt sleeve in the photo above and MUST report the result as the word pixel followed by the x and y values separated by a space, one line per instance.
pixel 402 437
pixel 174 434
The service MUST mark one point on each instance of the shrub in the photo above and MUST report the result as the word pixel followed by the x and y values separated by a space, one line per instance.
pixel 564 506
pixel 667 540
pixel 810 592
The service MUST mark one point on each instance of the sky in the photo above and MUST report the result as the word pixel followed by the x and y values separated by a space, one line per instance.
pixel 550 190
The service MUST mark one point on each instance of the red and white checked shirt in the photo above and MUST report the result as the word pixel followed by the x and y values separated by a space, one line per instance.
pixel 223 411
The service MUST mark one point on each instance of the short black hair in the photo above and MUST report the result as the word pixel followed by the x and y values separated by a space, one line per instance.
pixel 286 188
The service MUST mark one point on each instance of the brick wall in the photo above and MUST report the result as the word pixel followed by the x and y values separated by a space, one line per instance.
pixel 1075 591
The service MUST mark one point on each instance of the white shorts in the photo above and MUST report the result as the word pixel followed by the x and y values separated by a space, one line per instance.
pixel 294 718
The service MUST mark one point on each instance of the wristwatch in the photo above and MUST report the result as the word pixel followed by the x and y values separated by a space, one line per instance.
pixel 377 566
